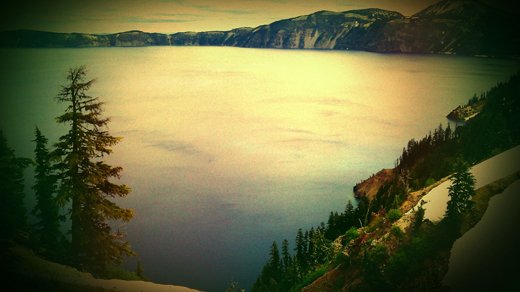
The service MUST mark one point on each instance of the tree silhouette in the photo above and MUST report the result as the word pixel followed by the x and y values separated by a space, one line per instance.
pixel 139 271
pixel 84 178
pixel 286 255
pixel 275 263
pixel 46 209
pixel 461 191
pixel 13 217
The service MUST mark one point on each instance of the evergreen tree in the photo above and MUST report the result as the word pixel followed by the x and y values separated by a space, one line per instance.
pixel 299 249
pixel 286 256
pixel 322 249
pixel 46 209
pixel 275 263
pixel 139 271
pixel 85 178
pixel 461 191
pixel 349 216
pixel 12 210
pixel 419 218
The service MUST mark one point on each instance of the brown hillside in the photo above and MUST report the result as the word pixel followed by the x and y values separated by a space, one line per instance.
pixel 368 188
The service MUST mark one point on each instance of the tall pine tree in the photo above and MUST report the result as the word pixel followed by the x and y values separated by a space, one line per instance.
pixel 84 178
pixel 46 209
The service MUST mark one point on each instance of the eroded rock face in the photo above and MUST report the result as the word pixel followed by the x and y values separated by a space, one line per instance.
pixel 369 187
pixel 320 30
pixel 448 27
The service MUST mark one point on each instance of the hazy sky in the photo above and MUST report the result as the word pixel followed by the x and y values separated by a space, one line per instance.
pixel 170 16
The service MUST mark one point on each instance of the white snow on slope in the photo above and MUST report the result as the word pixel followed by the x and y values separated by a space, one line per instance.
pixel 485 173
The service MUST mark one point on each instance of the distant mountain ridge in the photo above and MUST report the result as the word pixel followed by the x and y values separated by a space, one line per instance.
pixel 456 8
pixel 466 27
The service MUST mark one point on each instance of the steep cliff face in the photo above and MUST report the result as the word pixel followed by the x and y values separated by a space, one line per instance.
pixel 466 27
pixel 321 30
pixel 230 38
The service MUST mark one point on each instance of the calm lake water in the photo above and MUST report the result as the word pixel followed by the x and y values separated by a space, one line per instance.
pixel 229 149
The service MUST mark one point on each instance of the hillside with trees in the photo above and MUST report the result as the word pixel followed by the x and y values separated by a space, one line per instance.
pixel 373 247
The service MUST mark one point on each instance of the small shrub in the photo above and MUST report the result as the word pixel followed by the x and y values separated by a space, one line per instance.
pixel 369 241
pixel 397 231
pixel 429 182
pixel 393 215
pixel 351 234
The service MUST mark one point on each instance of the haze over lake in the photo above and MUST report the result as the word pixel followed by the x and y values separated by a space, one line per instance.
pixel 229 149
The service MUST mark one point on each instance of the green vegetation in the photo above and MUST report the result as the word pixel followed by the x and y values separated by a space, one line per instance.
pixel 393 215
pixel 311 278
pixel 397 231
pixel 351 234
pixel 429 182
pixel 414 257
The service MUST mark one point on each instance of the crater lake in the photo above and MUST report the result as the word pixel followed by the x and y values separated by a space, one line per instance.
pixel 229 149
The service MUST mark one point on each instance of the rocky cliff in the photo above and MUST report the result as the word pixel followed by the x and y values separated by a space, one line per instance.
pixel 369 187
pixel 467 27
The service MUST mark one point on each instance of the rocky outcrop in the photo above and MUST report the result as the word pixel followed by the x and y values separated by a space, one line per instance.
pixel 467 112
pixel 448 27
pixel 369 187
